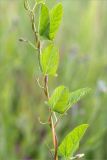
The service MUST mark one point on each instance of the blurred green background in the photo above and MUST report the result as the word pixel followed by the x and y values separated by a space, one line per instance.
pixel 82 40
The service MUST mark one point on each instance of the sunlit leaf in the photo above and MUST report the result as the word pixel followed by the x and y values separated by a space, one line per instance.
pixel 59 99
pixel 49 60
pixel 62 99
pixel 55 20
pixel 44 21
pixel 71 142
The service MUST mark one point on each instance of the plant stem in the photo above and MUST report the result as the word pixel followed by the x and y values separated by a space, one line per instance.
pixel 55 142
pixel 51 123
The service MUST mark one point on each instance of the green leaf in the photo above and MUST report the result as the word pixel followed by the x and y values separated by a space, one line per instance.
pixel 59 99
pixel 77 95
pixel 49 60
pixel 71 142
pixel 55 19
pixel 44 21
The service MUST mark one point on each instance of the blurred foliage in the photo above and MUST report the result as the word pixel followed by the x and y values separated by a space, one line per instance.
pixel 83 46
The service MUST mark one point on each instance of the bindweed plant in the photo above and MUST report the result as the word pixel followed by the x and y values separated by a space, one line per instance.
pixel 61 99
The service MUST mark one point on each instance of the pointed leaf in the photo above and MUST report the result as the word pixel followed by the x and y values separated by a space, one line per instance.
pixel 71 142
pixel 77 95
pixel 55 20
pixel 44 21
pixel 59 99
pixel 49 60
